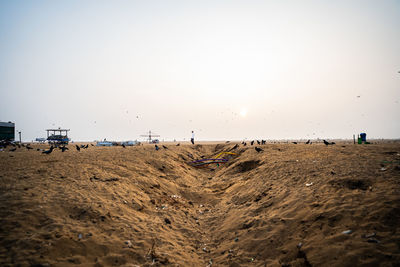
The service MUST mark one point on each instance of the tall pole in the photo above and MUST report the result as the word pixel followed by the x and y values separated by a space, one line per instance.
pixel 19 132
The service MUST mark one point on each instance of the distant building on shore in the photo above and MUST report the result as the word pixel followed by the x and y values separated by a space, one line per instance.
pixel 7 131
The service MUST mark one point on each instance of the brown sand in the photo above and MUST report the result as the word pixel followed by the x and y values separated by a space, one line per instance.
pixel 110 206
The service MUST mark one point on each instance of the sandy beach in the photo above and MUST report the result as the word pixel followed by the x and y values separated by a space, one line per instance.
pixel 288 205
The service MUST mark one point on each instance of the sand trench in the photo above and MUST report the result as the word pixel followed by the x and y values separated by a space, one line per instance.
pixel 137 206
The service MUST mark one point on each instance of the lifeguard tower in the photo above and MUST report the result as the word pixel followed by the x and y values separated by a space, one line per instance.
pixel 58 136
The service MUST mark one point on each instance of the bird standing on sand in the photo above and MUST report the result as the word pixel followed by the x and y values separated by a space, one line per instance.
pixel 258 149
pixel 178 144
pixel 63 148
pixel 123 145
pixel 13 149
pixel 157 148
pixel 326 142
pixel 78 148
pixel 308 141
pixel 164 147
pixel 48 151
pixel 252 142
pixel 236 146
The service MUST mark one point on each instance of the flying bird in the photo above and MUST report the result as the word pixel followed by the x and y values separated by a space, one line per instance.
pixel 258 149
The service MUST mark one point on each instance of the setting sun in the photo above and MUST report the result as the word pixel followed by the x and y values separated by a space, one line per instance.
pixel 243 112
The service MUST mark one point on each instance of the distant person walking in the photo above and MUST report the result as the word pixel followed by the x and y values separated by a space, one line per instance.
pixel 192 139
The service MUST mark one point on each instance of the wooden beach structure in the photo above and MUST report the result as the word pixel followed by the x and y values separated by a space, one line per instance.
pixel 58 136
pixel 149 136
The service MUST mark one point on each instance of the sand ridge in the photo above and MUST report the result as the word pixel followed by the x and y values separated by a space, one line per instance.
pixel 114 206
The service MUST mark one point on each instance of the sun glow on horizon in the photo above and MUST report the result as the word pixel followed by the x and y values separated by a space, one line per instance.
pixel 243 112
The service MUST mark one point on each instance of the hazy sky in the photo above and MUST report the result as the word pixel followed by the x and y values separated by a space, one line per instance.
pixel 225 69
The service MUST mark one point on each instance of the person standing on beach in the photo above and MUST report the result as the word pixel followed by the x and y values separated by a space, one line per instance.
pixel 192 139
